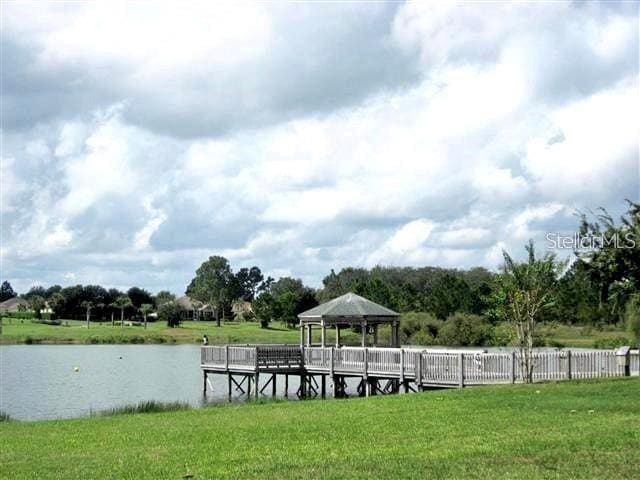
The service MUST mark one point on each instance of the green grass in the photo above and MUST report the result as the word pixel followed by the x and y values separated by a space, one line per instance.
pixel 571 430
pixel 76 331
pixel 582 336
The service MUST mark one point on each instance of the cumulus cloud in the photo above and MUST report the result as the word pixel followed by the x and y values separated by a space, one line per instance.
pixel 139 140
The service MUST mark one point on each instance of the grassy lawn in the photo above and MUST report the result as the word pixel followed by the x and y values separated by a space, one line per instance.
pixel 76 331
pixel 582 336
pixel 570 430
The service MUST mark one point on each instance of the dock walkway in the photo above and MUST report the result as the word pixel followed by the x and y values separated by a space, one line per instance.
pixel 388 370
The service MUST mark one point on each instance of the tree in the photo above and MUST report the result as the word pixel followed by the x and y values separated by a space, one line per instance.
pixel 632 316
pixel 51 290
pixel 36 291
pixel 139 296
pixel 613 261
pixel 87 305
pixel 247 281
pixel 264 308
pixel 36 303
pixel 523 291
pixel 449 294
pixel 291 297
pixel 122 302
pixel 56 303
pixel 213 284
pixel 146 309
pixel 6 291
pixel 171 313
pixel 163 297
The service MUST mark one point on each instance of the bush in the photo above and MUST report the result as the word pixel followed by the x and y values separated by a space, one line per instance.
pixel 465 330
pixel 47 321
pixel 501 335
pixel 418 328
pixel 5 417
pixel 247 316
pixel 421 337
pixel 21 315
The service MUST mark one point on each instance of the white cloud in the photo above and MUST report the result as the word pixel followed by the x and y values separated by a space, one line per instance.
pixel 598 140
pixel 271 135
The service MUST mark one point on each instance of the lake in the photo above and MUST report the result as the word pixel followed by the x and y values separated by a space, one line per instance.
pixel 40 382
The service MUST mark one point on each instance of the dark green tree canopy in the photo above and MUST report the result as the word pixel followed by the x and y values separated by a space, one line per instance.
pixel 139 296
pixel 6 291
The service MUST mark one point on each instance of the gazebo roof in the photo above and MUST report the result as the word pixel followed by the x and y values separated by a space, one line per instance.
pixel 348 305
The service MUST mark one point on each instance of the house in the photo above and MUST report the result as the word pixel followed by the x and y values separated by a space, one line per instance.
pixel 14 304
pixel 195 310
pixel 241 306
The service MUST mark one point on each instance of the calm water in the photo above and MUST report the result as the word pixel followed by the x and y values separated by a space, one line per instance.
pixel 39 381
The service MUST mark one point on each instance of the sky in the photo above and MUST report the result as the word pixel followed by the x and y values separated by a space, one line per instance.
pixel 140 138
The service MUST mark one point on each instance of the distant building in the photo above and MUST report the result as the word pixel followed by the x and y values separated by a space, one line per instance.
pixel 195 310
pixel 13 305
pixel 241 306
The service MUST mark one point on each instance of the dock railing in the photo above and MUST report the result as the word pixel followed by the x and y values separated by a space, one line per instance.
pixel 424 366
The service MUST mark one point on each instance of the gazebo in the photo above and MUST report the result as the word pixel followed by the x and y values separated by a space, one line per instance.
pixel 347 311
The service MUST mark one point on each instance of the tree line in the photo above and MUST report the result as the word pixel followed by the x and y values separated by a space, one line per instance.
pixel 601 285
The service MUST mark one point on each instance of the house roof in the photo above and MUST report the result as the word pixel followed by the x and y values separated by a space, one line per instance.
pixel 349 305
pixel 13 303
pixel 188 303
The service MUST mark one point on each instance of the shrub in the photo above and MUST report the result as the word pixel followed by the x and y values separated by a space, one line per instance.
pixel 247 316
pixel 465 330
pixel 5 417
pixel 501 335
pixel 419 326
pixel 422 337
pixel 21 315
pixel 47 321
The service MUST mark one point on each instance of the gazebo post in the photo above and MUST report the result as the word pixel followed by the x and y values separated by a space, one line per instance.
pixel 364 333
pixel 394 334
pixel 375 334
pixel 323 335
pixel 302 327
pixel 337 335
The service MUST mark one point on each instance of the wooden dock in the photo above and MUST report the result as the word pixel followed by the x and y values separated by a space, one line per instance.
pixel 390 370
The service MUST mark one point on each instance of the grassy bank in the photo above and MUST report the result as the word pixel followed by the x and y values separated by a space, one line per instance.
pixel 565 430
pixel 76 331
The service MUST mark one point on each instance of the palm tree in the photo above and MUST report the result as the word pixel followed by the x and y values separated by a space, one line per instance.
pixel 122 302
pixel 524 290
pixel 87 305
pixel 146 309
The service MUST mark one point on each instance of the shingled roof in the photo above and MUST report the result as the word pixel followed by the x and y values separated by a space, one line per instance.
pixel 349 305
